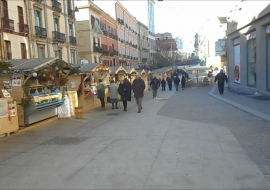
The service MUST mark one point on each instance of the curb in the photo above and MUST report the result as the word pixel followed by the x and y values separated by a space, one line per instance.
pixel 241 107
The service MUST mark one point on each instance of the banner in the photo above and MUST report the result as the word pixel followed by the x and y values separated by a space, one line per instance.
pixel 220 47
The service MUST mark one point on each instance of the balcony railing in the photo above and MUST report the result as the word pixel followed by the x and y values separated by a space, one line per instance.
pixel 8 24
pixel 72 40
pixel 71 13
pixel 23 28
pixel 58 36
pixel 105 32
pixel 41 31
pixel 56 5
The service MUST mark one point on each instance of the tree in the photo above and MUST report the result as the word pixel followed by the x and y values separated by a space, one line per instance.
pixel 163 60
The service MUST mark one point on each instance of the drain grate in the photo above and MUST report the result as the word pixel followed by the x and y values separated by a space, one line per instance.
pixel 113 114
pixel 65 141
pixel 259 97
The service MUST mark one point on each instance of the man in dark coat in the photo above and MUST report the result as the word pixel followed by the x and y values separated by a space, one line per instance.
pixel 176 82
pixel 154 85
pixel 169 81
pixel 183 82
pixel 125 92
pixel 138 87
pixel 221 78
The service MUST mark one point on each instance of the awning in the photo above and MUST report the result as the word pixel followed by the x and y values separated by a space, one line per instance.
pixel 31 64
pixel 198 68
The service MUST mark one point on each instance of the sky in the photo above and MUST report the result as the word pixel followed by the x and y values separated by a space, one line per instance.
pixel 182 18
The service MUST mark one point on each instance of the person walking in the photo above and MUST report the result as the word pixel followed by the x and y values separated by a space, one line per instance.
pixel 129 88
pixel 176 82
pixel 183 82
pixel 138 87
pixel 221 78
pixel 124 92
pixel 101 93
pixel 154 85
pixel 113 94
pixel 169 81
pixel 163 84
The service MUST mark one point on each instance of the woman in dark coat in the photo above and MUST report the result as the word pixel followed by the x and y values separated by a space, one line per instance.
pixel 163 84
pixel 124 91
pixel 183 82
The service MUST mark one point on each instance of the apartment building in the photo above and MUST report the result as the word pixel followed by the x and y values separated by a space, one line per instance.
pixel 30 27
pixel 128 31
pixel 89 32
pixel 109 39
pixel 143 44
pixel 14 41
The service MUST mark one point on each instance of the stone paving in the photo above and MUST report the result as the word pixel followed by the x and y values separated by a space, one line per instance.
pixel 177 142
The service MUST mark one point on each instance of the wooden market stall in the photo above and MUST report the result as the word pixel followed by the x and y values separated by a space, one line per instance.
pixel 38 86
pixel 85 85
pixel 118 73
pixel 131 73
pixel 163 72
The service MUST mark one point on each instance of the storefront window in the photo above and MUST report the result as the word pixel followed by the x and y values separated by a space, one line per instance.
pixel 251 55
pixel 268 57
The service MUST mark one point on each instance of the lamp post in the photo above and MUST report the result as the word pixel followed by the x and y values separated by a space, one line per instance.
pixel 101 58
pixel 55 47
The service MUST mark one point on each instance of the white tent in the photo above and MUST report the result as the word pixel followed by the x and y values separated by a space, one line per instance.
pixel 198 68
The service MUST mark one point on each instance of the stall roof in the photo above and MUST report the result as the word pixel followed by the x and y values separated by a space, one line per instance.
pixel 130 70
pixel 31 64
pixel 162 70
pixel 116 69
pixel 92 67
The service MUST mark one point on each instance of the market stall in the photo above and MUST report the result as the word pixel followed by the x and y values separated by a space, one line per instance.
pixel 38 86
pixel 85 85
pixel 131 73
pixel 118 73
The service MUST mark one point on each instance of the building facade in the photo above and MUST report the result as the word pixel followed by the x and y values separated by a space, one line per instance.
pixel 30 27
pixel 88 28
pixel 151 27
pixel 109 39
pixel 248 48
pixel 143 44
pixel 128 31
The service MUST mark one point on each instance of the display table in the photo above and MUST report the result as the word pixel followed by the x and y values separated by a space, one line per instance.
pixel 8 116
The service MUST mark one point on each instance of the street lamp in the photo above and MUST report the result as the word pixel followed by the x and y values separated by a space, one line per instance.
pixel 55 47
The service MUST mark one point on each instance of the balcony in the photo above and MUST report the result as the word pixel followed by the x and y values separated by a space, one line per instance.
pixel 124 56
pixel 41 31
pixel 122 41
pixel 105 32
pixel 23 28
pixel 8 24
pixel 56 6
pixel 72 40
pixel 128 56
pixel 98 49
pixel 71 13
pixel 58 36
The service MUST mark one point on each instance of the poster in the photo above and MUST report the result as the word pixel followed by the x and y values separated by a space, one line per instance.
pixel 7 84
pixel 11 109
pixel 6 93
pixel 16 80
pixel 237 64
pixel 220 48
pixel 3 108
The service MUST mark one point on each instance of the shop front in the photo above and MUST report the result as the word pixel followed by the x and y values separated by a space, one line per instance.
pixel 38 86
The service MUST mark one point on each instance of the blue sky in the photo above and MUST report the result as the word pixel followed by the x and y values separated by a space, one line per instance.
pixel 182 18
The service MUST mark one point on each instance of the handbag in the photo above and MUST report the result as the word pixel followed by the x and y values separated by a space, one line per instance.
pixel 108 99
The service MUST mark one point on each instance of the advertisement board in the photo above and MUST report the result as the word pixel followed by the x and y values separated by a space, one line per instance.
pixel 220 47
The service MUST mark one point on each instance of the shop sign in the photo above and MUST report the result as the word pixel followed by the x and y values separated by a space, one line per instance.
pixel 251 35
pixel 7 84
pixel 268 29
pixel 3 108
pixel 236 41
pixel 220 47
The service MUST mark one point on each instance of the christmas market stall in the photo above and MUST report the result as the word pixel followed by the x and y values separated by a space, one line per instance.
pixel 118 73
pixel 163 72
pixel 131 73
pixel 39 88
pixel 85 85
pixel 8 105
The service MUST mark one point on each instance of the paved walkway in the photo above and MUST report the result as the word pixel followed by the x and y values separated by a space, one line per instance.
pixel 113 149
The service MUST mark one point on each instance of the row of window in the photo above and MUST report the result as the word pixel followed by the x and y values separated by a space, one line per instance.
pixel 127 51
pixel 120 14
pixel 8 51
